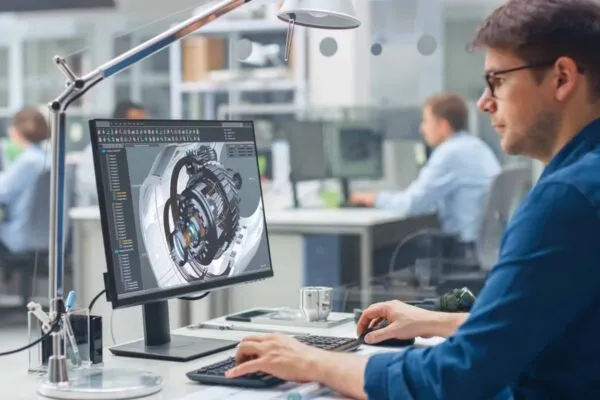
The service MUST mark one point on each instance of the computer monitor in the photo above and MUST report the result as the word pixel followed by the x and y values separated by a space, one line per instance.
pixel 182 213
pixel 354 152
pixel 308 158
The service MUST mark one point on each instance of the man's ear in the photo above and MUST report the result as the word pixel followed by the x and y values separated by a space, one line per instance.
pixel 566 78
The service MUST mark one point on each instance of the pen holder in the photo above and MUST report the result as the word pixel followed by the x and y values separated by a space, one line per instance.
pixel 77 341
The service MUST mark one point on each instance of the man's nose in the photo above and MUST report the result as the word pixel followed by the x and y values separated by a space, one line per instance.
pixel 486 102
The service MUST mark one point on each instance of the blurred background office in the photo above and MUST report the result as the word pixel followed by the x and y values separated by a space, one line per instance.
pixel 342 115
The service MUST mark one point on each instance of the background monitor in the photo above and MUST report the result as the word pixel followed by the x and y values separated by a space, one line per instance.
pixel 355 152
pixel 182 212
pixel 308 159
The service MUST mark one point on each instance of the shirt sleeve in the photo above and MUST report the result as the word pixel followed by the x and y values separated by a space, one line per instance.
pixel 545 279
pixel 426 192
pixel 16 178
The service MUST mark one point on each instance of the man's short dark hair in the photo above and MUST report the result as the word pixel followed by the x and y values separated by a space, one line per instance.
pixel 32 125
pixel 450 107
pixel 539 31
pixel 122 109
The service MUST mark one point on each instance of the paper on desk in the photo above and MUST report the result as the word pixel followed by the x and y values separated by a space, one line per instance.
pixel 232 393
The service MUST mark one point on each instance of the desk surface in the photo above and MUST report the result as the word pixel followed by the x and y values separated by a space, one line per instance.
pixel 347 217
pixel 176 385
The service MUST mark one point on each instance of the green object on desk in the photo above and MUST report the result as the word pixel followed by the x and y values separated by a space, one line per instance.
pixel 331 198
pixel 262 165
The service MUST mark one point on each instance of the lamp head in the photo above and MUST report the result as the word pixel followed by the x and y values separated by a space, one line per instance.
pixel 330 14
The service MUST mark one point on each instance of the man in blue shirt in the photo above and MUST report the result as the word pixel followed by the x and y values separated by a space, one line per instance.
pixel 533 331
pixel 455 180
pixel 17 182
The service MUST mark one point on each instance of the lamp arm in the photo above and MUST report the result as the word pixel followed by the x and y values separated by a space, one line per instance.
pixel 75 88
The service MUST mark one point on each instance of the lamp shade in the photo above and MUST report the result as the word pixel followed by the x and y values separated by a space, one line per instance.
pixel 324 14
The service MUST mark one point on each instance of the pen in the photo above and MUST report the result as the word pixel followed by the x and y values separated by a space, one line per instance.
pixel 71 339
pixel 231 327
pixel 306 391
pixel 70 301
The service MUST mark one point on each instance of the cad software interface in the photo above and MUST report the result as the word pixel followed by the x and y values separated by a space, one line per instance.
pixel 183 203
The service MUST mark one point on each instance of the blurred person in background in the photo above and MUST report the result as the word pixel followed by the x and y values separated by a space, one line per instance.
pixel 86 189
pixel 28 131
pixel 455 180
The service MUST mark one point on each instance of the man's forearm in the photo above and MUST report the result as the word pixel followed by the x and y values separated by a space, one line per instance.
pixel 445 324
pixel 343 373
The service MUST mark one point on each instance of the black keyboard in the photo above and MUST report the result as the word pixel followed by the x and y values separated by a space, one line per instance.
pixel 214 374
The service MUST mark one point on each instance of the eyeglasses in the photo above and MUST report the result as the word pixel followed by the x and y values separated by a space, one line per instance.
pixel 491 78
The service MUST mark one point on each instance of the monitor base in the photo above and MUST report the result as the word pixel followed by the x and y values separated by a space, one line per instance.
pixel 180 348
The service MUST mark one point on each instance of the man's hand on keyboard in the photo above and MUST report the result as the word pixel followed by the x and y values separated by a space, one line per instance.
pixel 278 355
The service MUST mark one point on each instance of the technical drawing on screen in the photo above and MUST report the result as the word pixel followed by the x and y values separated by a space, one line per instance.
pixel 190 208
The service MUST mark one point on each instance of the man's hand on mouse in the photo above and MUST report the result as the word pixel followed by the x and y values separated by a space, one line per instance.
pixel 405 321
pixel 278 355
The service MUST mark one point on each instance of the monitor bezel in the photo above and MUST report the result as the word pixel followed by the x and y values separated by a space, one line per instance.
pixel 166 294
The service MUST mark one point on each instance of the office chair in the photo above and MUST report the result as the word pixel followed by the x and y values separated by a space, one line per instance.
pixel 446 272
pixel 434 273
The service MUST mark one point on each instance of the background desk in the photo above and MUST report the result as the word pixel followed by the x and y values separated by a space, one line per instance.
pixel 301 241
pixel 175 384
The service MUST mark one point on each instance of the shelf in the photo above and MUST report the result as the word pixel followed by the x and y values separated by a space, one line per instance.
pixel 254 85
pixel 225 27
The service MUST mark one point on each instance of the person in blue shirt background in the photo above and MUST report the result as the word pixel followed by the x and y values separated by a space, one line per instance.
pixel 533 331
pixel 455 180
pixel 17 182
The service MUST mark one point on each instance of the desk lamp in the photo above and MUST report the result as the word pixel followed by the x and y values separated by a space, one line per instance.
pixel 105 383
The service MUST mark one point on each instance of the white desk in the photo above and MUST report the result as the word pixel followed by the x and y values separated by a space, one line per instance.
pixel 287 230
pixel 18 385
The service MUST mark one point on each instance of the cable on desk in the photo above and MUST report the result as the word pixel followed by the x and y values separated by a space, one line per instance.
pixel 94 300
pixel 35 342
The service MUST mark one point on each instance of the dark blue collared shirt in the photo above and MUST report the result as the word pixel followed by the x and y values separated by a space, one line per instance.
pixel 534 330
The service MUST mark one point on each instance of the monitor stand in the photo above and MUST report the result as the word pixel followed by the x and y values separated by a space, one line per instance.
pixel 159 344
pixel 345 187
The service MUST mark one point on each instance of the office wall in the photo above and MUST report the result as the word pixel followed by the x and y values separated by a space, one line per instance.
pixel 463 70
pixel 399 75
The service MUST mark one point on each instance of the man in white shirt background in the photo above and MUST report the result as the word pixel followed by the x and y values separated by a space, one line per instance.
pixel 455 180
pixel 454 183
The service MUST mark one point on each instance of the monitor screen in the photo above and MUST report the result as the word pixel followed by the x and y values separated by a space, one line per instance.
pixel 355 153
pixel 308 160
pixel 181 207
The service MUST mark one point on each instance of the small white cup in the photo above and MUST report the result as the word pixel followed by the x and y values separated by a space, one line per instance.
pixel 315 302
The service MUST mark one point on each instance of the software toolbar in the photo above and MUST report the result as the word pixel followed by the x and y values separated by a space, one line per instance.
pixel 150 134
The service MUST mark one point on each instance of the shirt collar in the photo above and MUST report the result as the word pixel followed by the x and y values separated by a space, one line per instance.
pixel 587 139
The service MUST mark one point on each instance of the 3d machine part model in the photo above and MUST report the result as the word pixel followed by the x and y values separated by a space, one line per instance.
pixel 205 214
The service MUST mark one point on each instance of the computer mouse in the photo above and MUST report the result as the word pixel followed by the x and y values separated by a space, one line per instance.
pixel 386 343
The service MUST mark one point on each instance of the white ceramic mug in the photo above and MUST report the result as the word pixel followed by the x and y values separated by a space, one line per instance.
pixel 315 302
